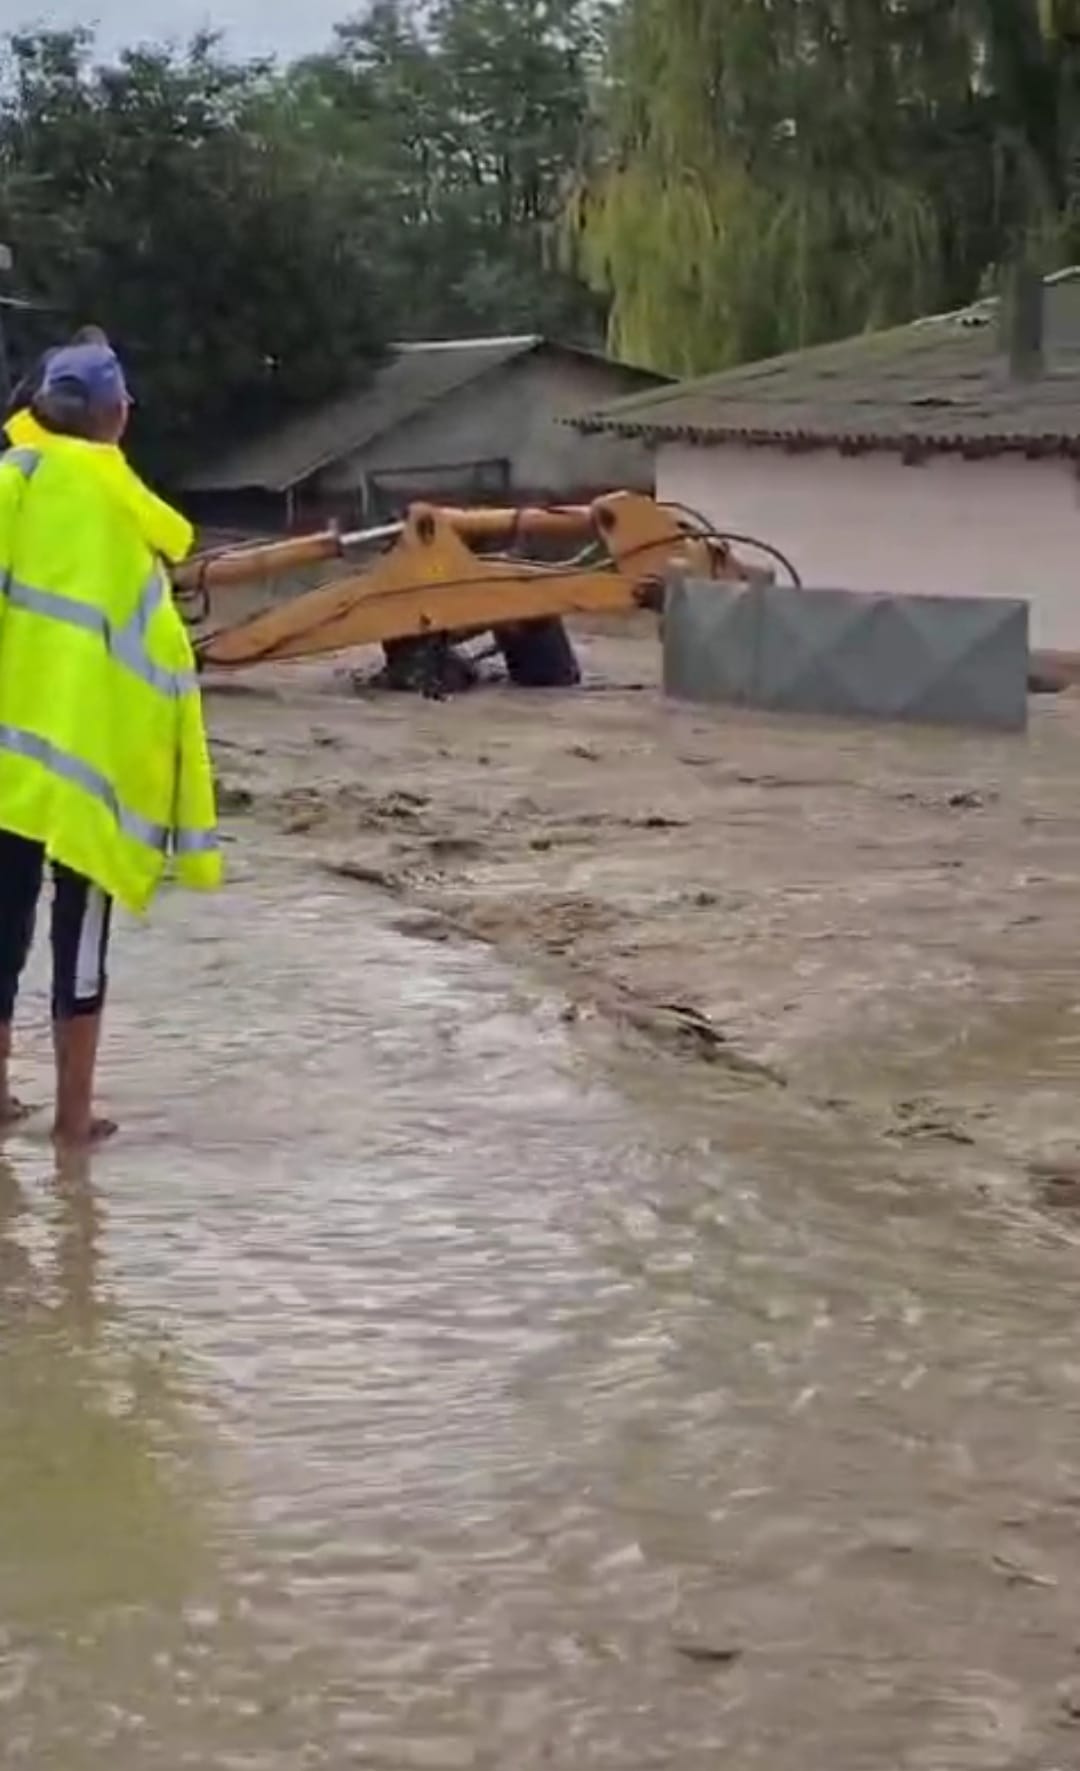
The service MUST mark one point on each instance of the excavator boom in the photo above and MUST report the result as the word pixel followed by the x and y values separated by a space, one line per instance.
pixel 431 580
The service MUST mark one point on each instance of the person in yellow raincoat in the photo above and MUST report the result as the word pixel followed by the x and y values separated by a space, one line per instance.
pixel 105 774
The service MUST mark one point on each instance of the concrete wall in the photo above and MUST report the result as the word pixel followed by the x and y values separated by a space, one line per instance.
pixel 513 413
pixel 1003 527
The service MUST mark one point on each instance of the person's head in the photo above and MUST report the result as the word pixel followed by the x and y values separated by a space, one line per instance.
pixel 83 392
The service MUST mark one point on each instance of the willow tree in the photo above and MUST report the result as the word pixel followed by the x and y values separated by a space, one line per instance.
pixel 1031 71
pixel 773 172
pixel 465 114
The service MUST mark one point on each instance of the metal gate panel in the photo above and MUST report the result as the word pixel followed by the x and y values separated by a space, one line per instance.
pixel 935 659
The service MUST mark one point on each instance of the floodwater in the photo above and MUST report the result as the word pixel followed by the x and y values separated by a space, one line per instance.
pixel 418 1384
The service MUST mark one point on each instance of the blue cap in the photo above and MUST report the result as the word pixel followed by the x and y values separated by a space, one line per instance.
pixel 93 370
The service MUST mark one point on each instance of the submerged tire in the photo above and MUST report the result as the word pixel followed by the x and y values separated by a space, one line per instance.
pixel 538 654
pixel 427 665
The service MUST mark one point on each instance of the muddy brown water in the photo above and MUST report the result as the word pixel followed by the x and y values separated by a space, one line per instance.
pixel 418 1382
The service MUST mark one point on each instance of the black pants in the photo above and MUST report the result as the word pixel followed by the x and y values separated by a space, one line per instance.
pixel 81 915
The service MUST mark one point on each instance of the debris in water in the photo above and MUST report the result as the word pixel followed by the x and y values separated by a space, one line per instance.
pixel 706 1654
pixel 926 1119
pixel 400 804
pixel 424 925
pixel 233 798
pixel 364 874
pixel 1018 1575
pixel 1057 1184
pixel 688 1026
pixel 963 799
pixel 455 847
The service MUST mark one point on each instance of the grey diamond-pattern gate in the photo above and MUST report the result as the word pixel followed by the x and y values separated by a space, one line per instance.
pixel 936 659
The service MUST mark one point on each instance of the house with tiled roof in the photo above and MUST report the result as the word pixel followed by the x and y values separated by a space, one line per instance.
pixel 914 459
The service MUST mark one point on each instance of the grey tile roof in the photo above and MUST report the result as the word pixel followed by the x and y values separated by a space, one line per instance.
pixel 940 383
pixel 414 376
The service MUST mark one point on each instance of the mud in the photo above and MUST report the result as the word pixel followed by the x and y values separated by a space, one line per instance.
pixel 587 1277
pixel 879 918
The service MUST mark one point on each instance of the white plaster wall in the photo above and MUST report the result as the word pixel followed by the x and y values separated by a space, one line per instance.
pixel 1003 527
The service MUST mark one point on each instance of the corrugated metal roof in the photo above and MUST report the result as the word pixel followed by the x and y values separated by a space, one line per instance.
pixel 415 376
pixel 940 383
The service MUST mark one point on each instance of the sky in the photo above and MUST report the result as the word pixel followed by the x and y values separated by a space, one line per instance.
pixel 251 27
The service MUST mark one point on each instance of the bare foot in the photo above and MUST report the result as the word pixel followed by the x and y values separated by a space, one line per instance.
pixel 83 1137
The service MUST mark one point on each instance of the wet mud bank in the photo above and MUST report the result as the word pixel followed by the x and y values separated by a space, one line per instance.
pixel 878 920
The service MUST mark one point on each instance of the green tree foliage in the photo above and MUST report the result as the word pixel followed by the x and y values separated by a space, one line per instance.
pixel 1030 56
pixel 251 234
pixel 773 172
pixel 470 116
pixel 723 178
pixel 148 197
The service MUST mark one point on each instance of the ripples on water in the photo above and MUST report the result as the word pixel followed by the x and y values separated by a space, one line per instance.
pixel 404 1388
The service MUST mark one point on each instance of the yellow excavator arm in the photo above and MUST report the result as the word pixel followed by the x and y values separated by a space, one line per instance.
pixel 454 573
